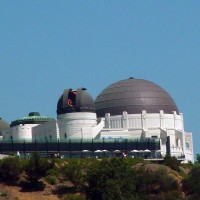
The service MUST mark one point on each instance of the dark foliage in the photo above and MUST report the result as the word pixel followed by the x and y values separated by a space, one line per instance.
pixel 35 169
pixel 63 189
pixel 154 182
pixel 106 179
pixel 171 162
pixel 74 172
pixel 198 158
pixel 74 197
pixel 111 179
pixel 114 179
pixel 191 184
pixel 10 169
pixel 30 186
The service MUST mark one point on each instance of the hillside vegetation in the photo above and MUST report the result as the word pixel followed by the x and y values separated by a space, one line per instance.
pixel 98 179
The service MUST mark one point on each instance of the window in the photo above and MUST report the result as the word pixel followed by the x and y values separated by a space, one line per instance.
pixel 187 145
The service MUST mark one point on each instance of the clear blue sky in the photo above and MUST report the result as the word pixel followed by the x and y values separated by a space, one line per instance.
pixel 47 46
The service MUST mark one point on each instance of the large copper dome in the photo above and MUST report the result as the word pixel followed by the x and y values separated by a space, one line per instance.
pixel 134 96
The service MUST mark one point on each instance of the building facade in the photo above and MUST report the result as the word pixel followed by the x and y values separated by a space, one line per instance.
pixel 127 109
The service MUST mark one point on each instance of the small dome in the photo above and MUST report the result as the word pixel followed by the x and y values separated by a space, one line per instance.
pixel 75 101
pixel 32 118
pixel 3 125
pixel 134 96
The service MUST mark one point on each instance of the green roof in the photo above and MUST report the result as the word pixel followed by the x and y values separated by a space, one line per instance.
pixel 32 118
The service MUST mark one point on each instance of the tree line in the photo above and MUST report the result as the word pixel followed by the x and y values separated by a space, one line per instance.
pixel 105 179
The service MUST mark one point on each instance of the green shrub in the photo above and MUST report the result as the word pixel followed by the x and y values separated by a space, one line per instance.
pixel 191 184
pixel 198 158
pixel 110 179
pixel 132 161
pixel 73 197
pixel 55 171
pixel 173 195
pixel 64 189
pixel 171 162
pixel 10 168
pixel 50 180
pixel 75 171
pixel 156 182
pixel 29 186
pixel 36 168
pixel 3 194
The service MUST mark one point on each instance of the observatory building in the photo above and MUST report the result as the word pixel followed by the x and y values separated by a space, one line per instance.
pixel 136 108
pixel 76 118
pixel 125 110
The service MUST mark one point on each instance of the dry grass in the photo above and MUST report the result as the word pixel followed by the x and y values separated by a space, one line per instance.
pixel 14 193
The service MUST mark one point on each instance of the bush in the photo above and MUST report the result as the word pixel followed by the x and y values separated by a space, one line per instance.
pixel 112 190
pixel 10 168
pixel 38 186
pixel 191 184
pixel 133 161
pixel 75 171
pixel 110 179
pixel 73 197
pixel 198 158
pixel 50 180
pixel 36 168
pixel 173 195
pixel 64 189
pixel 154 182
pixel 171 162
pixel 3 194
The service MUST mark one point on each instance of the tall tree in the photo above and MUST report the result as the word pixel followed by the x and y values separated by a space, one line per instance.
pixel 111 179
pixel 36 168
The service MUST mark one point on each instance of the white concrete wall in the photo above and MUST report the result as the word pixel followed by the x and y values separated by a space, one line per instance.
pixel 19 132
pixel 145 121
pixel 45 132
pixel 150 125
pixel 84 125
pixel 135 121
pixel 189 147
pixel 76 125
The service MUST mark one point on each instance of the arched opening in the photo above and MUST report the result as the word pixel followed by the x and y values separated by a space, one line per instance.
pixel 187 145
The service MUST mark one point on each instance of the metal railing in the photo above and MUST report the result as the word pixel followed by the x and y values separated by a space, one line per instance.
pixel 72 146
